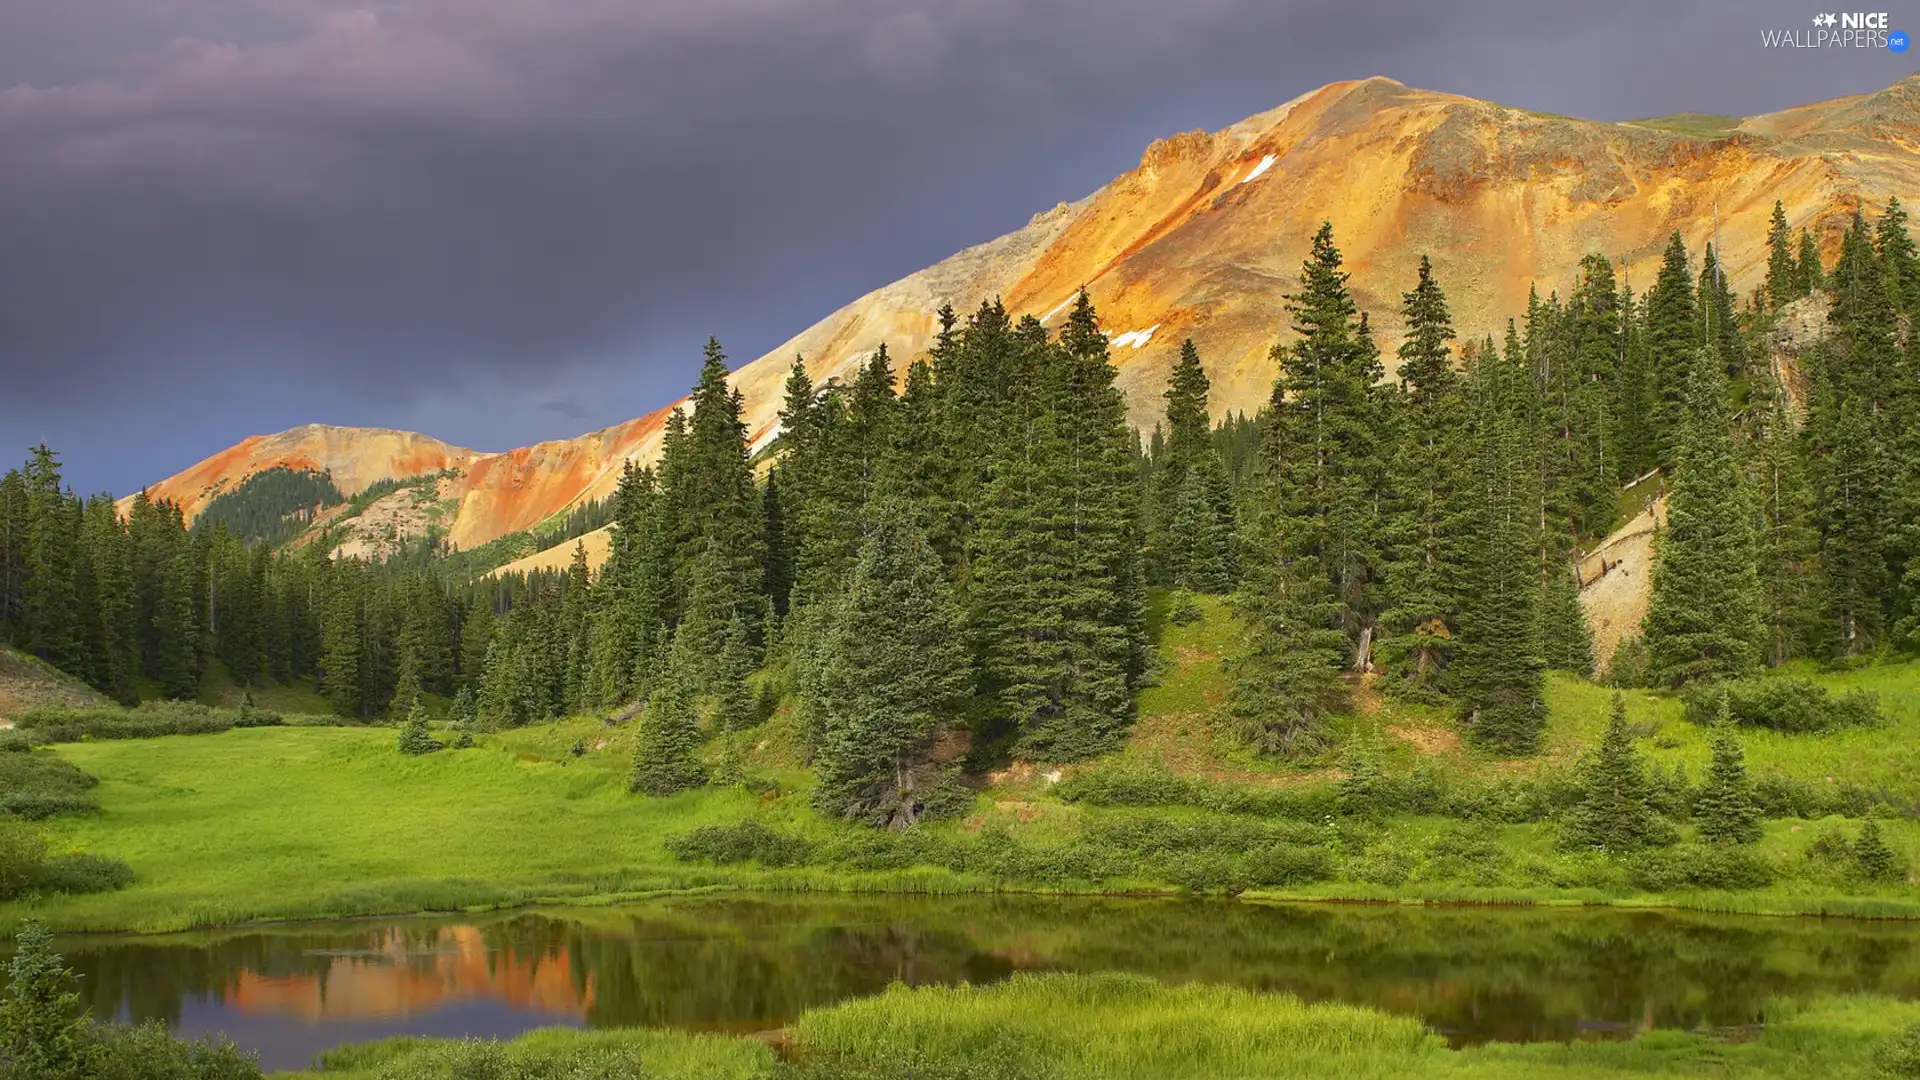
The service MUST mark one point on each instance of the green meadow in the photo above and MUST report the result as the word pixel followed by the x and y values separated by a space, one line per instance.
pixel 307 822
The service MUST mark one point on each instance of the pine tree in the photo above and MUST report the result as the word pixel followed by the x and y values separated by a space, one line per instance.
pixel 716 519
pixel 1704 618
pixel 1873 858
pixel 1781 267
pixel 663 758
pixel 1330 467
pixel 1790 580
pixel 1425 525
pixel 110 554
pixel 1674 336
pixel 1058 595
pixel 50 611
pixel 1724 809
pixel 13 555
pixel 1498 666
pixel 177 626
pixel 895 675
pixel 1613 814
pixel 1807 272
pixel 341 640
pixel 415 739
pixel 1898 257
pixel 1566 637
pixel 1189 511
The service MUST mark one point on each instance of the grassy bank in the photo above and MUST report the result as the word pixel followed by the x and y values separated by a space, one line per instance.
pixel 1074 1027
pixel 306 822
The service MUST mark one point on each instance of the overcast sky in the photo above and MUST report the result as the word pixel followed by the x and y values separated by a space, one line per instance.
pixel 500 221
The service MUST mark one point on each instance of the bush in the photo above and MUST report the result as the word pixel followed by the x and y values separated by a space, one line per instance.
pixel 748 841
pixel 1289 864
pixel 14 742
pixel 23 855
pixel 150 1052
pixel 1796 706
pixel 1899 1056
pixel 77 875
pixel 40 784
pixel 150 720
pixel 1381 866
pixel 1699 866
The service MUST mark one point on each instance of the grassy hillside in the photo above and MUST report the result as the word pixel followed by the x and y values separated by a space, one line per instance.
pixel 29 683
pixel 314 821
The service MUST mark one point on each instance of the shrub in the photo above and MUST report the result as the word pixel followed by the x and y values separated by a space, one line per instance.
pixel 77 875
pixel 1204 871
pixel 1124 781
pixel 14 742
pixel 1381 866
pixel 40 784
pixel 23 854
pixel 1699 866
pixel 1182 609
pixel 150 720
pixel 1289 864
pixel 416 740
pixel 1899 1055
pixel 149 1052
pixel 1793 705
pixel 747 841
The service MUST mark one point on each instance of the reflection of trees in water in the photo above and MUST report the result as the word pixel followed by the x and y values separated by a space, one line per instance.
pixel 745 963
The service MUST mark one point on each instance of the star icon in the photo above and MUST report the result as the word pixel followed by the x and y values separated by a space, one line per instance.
pixel 1830 20
pixel 1819 20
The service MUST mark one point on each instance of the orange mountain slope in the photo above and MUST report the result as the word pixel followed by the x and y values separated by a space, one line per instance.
pixel 1206 236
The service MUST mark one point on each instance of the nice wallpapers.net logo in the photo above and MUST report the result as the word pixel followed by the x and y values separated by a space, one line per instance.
pixel 1840 30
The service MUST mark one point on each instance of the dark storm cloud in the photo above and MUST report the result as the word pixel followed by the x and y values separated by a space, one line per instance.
pixel 226 216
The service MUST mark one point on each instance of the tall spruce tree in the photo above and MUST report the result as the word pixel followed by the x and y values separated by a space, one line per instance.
pixel 895 675
pixel 1330 463
pixel 1498 665
pixel 1791 586
pixel 1189 511
pixel 1425 526
pixel 1704 618
pixel 1674 337
pixel 1807 272
pixel 1780 261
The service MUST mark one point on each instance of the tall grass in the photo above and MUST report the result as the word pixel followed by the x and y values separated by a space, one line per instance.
pixel 1119 1027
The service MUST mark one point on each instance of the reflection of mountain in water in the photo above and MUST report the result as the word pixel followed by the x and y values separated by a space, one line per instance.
pixel 401 976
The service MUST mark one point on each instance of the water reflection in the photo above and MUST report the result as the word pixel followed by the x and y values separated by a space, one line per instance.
pixel 752 963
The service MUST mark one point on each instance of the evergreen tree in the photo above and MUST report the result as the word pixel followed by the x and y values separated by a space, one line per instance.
pixel 663 758
pixel 1566 637
pixel 1058 594
pixel 1898 258
pixel 341 640
pixel 50 611
pixel 1704 618
pixel 1613 814
pixel 1724 808
pixel 1674 336
pixel 1873 858
pixel 177 625
pixel 41 1025
pixel 1330 467
pixel 1189 511
pixel 415 739
pixel 895 675
pixel 1498 678
pixel 1790 580
pixel 1425 526
pixel 1807 272
pixel 13 555
pixel 1781 268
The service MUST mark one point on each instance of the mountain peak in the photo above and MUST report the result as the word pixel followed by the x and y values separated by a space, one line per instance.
pixel 1206 237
